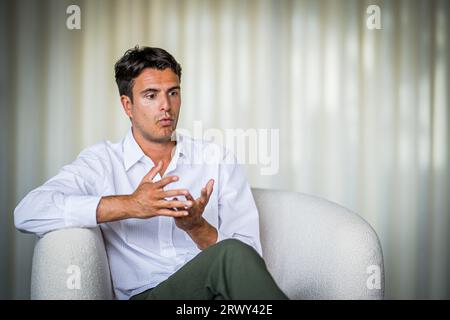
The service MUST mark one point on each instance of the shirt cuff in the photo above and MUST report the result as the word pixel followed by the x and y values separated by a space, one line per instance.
pixel 81 211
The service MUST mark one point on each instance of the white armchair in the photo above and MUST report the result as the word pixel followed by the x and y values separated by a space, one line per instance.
pixel 315 249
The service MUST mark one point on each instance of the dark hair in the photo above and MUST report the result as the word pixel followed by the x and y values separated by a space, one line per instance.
pixel 137 59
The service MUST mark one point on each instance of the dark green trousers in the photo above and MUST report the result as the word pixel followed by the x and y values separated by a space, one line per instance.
pixel 229 270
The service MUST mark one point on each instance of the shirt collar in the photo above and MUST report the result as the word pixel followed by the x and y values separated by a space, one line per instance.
pixel 133 152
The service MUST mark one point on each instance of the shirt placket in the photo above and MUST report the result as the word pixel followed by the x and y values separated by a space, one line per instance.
pixel 165 237
pixel 167 248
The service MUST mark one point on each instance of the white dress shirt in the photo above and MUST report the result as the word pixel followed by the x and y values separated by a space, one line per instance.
pixel 143 252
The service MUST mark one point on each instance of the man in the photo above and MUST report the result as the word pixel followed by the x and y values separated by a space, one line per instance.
pixel 177 216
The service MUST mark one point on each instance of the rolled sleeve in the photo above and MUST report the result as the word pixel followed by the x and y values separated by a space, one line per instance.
pixel 238 215
pixel 81 211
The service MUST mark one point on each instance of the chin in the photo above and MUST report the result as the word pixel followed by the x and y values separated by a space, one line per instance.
pixel 167 135
pixel 160 136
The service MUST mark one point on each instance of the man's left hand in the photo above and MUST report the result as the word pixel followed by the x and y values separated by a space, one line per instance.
pixel 195 218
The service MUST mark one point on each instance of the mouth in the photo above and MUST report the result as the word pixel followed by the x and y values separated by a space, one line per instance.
pixel 165 122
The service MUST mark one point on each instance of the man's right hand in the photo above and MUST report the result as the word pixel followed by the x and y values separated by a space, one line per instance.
pixel 148 200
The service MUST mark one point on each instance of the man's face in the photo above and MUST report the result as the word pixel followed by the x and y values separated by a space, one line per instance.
pixel 156 104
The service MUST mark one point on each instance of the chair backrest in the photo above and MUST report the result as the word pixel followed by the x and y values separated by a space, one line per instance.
pixel 316 249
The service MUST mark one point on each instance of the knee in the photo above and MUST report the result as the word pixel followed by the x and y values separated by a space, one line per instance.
pixel 232 244
pixel 236 248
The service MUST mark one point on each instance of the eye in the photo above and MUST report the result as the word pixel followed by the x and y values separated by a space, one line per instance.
pixel 173 93
pixel 150 96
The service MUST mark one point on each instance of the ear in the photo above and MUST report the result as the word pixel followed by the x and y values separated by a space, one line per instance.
pixel 127 105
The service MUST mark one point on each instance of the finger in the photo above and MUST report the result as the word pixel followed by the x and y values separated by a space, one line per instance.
pixel 173 193
pixel 203 197
pixel 190 197
pixel 174 204
pixel 203 193
pixel 209 188
pixel 172 213
pixel 165 181
pixel 174 208
pixel 152 173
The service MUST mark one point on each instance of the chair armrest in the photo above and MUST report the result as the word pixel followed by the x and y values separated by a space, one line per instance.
pixel 317 249
pixel 71 264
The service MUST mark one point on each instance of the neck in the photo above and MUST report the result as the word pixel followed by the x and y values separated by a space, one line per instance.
pixel 157 151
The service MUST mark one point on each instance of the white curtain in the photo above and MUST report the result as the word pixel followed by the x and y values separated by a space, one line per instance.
pixel 363 115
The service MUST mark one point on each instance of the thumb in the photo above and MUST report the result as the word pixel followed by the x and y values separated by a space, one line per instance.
pixel 152 173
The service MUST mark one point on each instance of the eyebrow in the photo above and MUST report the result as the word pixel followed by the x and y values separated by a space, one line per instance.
pixel 158 90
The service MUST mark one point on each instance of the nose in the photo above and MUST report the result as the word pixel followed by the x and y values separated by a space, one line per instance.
pixel 165 103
